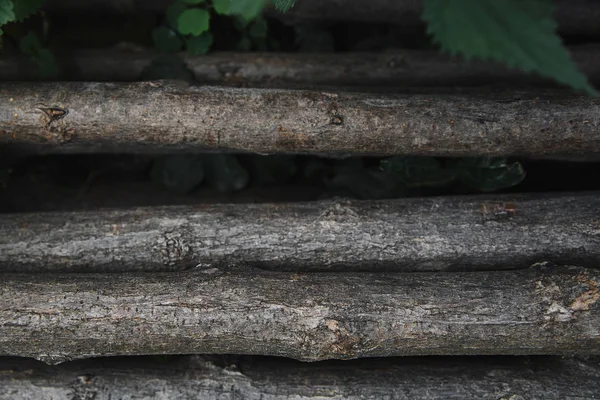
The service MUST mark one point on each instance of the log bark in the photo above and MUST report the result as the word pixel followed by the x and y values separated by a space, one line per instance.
pixel 574 17
pixel 541 310
pixel 262 378
pixel 395 68
pixel 424 234
pixel 157 114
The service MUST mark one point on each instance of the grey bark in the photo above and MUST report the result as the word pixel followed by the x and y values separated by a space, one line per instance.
pixel 316 316
pixel 425 234
pixel 151 115
pixel 575 17
pixel 360 69
pixel 249 378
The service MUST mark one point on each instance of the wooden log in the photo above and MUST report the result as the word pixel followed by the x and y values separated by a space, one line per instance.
pixel 263 378
pixel 574 17
pixel 421 234
pixel 537 311
pixel 393 68
pixel 157 114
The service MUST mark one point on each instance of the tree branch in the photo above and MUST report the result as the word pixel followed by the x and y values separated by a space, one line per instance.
pixel 254 378
pixel 152 115
pixel 315 316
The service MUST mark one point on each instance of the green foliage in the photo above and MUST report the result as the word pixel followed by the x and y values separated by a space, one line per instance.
pixel 284 5
pixel 25 8
pixel 199 45
pixel 193 21
pixel 481 174
pixel 519 33
pixel 7 12
pixel 166 40
pixel 43 57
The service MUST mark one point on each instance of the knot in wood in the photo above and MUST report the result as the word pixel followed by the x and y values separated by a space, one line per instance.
pixel 173 248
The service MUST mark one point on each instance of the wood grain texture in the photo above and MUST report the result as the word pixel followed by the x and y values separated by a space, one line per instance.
pixel 263 378
pixel 157 114
pixel 419 234
pixel 315 316
pixel 392 68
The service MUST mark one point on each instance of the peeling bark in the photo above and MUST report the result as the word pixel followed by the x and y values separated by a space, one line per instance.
pixel 395 68
pixel 152 115
pixel 424 234
pixel 262 378
pixel 315 316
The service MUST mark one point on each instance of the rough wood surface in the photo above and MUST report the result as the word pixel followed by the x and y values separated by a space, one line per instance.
pixel 314 316
pixel 150 114
pixel 575 17
pixel 421 234
pixel 263 378
pixel 357 69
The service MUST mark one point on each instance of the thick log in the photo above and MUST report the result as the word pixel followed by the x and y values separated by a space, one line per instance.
pixel 157 114
pixel 422 234
pixel 316 316
pixel 396 68
pixel 574 17
pixel 263 378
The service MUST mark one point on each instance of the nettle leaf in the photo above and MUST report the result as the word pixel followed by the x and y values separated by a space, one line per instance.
pixel 247 9
pixel 518 33
pixel 284 5
pixel 194 21
pixel 222 7
pixel 7 13
pixel 26 8
pixel 199 45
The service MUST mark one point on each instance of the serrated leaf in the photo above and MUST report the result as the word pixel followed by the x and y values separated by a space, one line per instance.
pixel 518 33
pixel 247 9
pixel 7 13
pixel 166 40
pixel 26 8
pixel 199 45
pixel 194 21
pixel 284 5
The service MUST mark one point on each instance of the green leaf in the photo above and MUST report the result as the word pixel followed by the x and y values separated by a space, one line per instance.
pixel 31 45
pixel 199 45
pixel 25 8
pixel 174 11
pixel 166 40
pixel 7 13
pixel 518 33
pixel 258 29
pixel 284 5
pixel 225 173
pixel 489 174
pixel 178 173
pixel 194 21
pixel 415 171
pixel 247 9
pixel 222 7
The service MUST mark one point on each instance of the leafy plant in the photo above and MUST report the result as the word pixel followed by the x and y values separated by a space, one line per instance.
pixel 17 10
